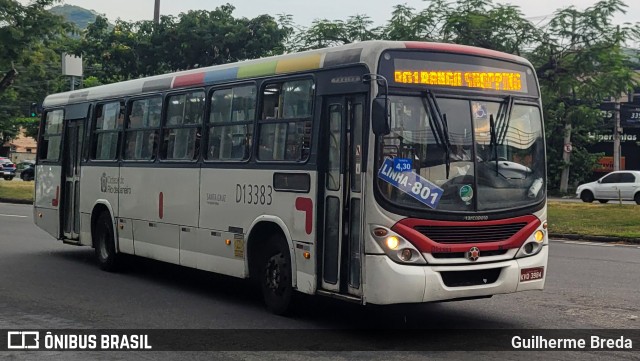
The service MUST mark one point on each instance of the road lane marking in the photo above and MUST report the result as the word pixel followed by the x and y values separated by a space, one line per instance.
pixel 587 243
pixel 12 215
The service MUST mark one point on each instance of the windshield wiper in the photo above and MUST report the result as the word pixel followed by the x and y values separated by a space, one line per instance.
pixel 439 127
pixel 502 121
pixel 504 118
pixel 493 145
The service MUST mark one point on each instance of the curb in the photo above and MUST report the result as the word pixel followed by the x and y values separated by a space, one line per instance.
pixel 15 201
pixel 604 239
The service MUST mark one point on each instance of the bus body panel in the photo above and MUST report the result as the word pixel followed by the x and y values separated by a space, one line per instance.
pixel 237 199
pixel 47 198
pixel 425 284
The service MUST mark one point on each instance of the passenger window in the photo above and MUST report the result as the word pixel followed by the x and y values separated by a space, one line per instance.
pixel 183 130
pixel 627 178
pixel 611 178
pixel 51 136
pixel 143 129
pixel 109 119
pixel 231 123
pixel 285 128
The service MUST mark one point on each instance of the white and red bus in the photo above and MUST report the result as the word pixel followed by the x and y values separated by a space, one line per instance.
pixel 378 172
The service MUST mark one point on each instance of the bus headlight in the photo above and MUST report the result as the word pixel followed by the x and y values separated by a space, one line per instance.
pixel 396 247
pixel 533 245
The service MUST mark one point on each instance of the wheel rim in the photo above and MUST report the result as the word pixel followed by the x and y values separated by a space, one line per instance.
pixel 275 279
pixel 104 253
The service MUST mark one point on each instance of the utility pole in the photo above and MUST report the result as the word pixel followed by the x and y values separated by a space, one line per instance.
pixel 616 136
pixel 156 12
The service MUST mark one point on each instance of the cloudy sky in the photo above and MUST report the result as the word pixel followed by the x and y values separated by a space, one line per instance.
pixel 304 11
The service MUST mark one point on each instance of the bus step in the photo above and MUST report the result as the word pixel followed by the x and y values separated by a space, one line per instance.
pixel 340 296
pixel 73 242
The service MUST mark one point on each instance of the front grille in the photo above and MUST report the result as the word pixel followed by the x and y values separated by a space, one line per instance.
pixel 470 278
pixel 470 234
pixel 461 254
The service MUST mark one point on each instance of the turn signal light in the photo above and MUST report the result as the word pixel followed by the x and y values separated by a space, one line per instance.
pixel 380 232
pixel 306 255
pixel 538 236
pixel 228 242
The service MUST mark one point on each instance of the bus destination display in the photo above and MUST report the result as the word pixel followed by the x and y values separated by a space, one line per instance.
pixel 455 75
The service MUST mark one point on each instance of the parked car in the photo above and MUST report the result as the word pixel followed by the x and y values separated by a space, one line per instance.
pixel 8 168
pixel 623 185
pixel 28 172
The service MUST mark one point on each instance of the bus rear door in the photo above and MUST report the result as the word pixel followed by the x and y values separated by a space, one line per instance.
pixel 74 135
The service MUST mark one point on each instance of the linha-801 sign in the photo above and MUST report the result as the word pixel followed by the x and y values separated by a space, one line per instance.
pixel 411 183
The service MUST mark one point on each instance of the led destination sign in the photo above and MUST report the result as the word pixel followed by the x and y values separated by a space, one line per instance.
pixel 509 81
pixel 507 78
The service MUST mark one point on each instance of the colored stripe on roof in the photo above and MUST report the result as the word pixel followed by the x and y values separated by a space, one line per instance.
pixel 462 49
pixel 350 56
pixel 218 76
pixel 260 69
pixel 157 84
pixel 189 80
pixel 299 64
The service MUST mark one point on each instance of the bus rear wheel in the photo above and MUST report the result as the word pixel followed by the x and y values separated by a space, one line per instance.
pixel 104 243
pixel 275 277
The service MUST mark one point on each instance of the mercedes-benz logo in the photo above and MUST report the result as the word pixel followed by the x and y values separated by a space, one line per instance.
pixel 473 254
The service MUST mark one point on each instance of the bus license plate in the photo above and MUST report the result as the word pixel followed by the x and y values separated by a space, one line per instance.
pixel 531 274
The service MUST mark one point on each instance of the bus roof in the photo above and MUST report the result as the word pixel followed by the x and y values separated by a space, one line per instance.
pixel 364 52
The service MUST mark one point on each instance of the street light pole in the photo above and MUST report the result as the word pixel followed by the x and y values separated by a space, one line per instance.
pixel 616 136
pixel 156 12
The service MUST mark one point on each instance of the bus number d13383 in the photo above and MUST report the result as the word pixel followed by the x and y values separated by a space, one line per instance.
pixel 254 194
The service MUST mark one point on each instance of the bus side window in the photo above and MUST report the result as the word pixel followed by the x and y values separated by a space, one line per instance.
pixel 183 130
pixel 143 122
pixel 108 123
pixel 230 125
pixel 285 128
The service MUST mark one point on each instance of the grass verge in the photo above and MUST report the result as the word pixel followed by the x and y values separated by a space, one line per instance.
pixel 16 190
pixel 610 220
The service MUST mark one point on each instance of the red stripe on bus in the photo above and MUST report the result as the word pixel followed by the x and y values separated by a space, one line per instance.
pixel 189 80
pixel 306 205
pixel 161 205
pixel 406 228
pixel 462 49
pixel 55 201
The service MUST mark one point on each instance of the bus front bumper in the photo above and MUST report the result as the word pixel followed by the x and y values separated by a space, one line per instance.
pixel 388 282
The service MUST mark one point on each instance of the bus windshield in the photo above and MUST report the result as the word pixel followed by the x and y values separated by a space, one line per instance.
pixel 473 155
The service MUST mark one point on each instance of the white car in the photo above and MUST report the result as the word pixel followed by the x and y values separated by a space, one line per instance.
pixel 623 185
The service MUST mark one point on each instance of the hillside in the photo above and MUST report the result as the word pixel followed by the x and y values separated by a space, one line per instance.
pixel 75 14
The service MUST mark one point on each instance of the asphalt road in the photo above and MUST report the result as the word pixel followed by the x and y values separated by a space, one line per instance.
pixel 46 284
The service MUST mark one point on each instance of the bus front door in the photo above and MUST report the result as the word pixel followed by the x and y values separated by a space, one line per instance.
pixel 342 233
pixel 74 138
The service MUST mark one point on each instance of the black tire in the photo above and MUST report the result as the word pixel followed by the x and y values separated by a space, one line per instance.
pixel 275 276
pixel 603 200
pixel 637 198
pixel 586 196
pixel 8 178
pixel 104 244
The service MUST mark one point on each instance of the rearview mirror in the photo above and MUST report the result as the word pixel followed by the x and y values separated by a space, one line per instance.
pixel 380 116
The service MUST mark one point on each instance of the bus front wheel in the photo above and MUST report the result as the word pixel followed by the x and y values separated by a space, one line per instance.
pixel 105 248
pixel 275 278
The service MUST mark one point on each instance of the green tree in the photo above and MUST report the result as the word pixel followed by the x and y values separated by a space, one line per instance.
pixel 194 39
pixel 30 39
pixel 580 62
pixel 23 27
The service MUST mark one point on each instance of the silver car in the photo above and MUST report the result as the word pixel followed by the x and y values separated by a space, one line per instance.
pixel 624 185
